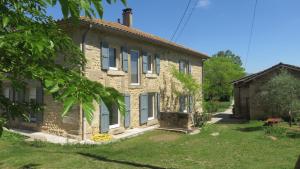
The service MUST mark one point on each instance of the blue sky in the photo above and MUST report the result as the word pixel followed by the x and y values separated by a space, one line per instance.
pixel 219 25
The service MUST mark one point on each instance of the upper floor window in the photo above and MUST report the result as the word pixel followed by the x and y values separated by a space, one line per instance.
pixel 184 66
pixel 108 57
pixel 112 59
pixel 134 67
pixel 151 63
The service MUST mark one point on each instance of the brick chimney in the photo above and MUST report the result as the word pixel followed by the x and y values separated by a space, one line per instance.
pixel 127 17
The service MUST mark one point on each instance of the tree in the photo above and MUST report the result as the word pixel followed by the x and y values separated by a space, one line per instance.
pixel 229 54
pixel 280 96
pixel 30 44
pixel 219 72
pixel 189 87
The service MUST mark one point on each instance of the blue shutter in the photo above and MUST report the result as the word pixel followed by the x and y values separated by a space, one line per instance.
pixel 190 68
pixel 181 103
pixel 143 108
pixel 127 109
pixel 190 104
pixel 157 61
pixel 145 62
pixel 39 101
pixel 158 105
pixel 124 59
pixel 104 56
pixel 181 66
pixel 104 118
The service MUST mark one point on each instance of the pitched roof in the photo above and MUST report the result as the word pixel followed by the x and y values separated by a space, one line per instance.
pixel 261 73
pixel 135 33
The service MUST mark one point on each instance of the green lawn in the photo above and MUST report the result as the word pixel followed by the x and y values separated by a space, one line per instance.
pixel 236 146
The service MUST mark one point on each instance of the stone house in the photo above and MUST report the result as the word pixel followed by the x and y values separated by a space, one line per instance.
pixel 136 63
pixel 245 89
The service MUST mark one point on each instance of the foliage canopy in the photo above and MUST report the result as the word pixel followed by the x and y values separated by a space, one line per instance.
pixel 31 43
pixel 219 72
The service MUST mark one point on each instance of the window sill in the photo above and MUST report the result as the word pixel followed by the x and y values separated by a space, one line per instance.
pixel 151 76
pixel 115 73
pixel 135 86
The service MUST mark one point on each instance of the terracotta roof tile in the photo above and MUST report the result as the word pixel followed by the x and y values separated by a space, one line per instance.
pixel 114 26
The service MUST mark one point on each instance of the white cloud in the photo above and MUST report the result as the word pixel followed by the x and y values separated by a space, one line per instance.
pixel 203 3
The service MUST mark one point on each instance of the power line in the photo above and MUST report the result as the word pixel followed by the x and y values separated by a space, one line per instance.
pixel 187 20
pixel 251 32
pixel 181 19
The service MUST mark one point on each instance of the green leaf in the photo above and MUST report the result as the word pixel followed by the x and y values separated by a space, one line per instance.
pixel 88 109
pixel 68 103
pixel 54 89
pixel 5 21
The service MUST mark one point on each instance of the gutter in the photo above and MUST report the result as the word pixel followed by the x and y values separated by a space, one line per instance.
pixel 83 121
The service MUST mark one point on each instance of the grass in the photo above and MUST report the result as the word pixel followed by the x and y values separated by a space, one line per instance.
pixel 236 146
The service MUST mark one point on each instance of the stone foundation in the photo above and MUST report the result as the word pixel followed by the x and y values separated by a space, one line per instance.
pixel 175 120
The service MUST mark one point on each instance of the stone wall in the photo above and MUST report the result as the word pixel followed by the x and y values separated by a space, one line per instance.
pixel 175 120
pixel 120 80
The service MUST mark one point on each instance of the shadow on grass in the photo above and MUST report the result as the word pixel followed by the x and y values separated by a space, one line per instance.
pixel 250 129
pixel 228 119
pixel 293 134
pixel 100 158
pixel 29 166
pixel 297 166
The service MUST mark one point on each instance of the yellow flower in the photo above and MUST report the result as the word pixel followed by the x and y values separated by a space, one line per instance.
pixel 101 137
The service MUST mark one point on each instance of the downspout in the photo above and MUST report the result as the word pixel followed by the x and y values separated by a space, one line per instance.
pixel 83 74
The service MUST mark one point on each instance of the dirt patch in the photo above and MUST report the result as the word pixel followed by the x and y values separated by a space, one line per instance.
pixel 273 138
pixel 164 137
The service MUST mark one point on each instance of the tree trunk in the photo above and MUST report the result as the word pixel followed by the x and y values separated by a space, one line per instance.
pixel 290 118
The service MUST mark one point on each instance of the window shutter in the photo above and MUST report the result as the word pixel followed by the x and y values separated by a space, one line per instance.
pixel 104 118
pixel 190 68
pixel 39 101
pixel 181 103
pixel 158 105
pixel 143 108
pixel 157 61
pixel 104 56
pixel 181 66
pixel 127 109
pixel 145 62
pixel 124 59
pixel 190 104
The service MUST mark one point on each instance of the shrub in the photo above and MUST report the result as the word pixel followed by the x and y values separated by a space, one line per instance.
pixel 215 106
pixel 275 131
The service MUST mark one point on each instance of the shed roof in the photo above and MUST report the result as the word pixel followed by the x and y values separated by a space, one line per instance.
pixel 261 73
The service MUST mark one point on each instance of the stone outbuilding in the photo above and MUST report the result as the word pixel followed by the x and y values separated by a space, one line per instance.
pixel 246 88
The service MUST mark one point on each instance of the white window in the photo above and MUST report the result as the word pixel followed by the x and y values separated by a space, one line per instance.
pixel 114 117
pixel 112 59
pixel 32 94
pixel 151 106
pixel 6 92
pixel 134 67
pixel 150 64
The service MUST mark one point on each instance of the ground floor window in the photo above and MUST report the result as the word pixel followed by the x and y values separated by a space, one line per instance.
pixel 151 106
pixel 183 103
pixel 114 117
